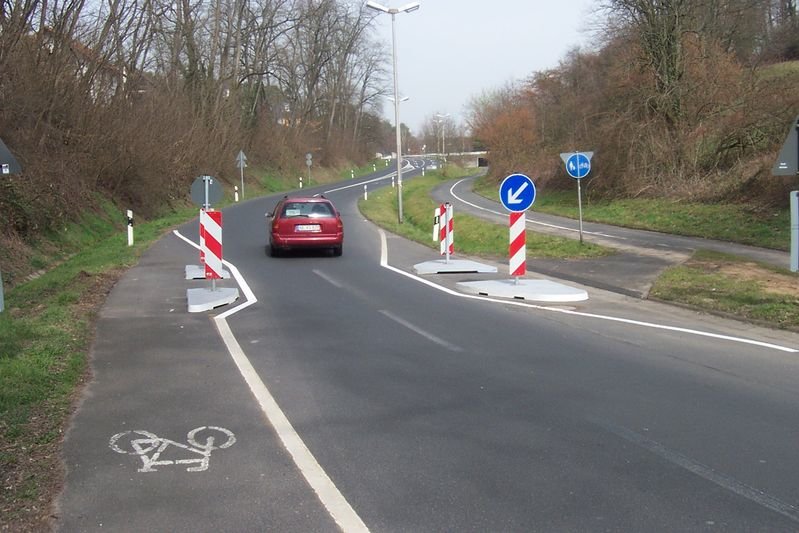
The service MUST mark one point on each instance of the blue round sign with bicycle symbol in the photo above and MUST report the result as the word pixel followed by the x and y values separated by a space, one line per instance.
pixel 578 164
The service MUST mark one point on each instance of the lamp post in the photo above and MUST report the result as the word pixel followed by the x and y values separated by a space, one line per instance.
pixel 413 6
pixel 442 119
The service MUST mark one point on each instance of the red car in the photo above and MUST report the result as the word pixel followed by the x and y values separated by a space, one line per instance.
pixel 305 223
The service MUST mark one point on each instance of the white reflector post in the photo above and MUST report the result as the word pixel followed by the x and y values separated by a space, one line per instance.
pixel 130 227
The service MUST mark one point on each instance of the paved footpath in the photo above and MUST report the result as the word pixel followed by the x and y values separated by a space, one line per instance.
pixel 641 255
pixel 167 435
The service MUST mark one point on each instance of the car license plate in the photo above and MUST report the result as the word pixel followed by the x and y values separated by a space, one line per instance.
pixel 308 227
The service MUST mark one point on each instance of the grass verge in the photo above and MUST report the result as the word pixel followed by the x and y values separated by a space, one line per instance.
pixel 474 236
pixel 726 222
pixel 45 333
pixel 733 286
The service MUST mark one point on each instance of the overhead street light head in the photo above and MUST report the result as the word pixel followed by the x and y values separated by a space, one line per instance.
pixel 407 8
pixel 378 7
pixel 413 6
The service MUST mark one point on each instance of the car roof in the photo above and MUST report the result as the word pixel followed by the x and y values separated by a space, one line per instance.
pixel 309 199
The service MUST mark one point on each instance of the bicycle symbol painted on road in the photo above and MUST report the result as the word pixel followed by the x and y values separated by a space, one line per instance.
pixel 151 447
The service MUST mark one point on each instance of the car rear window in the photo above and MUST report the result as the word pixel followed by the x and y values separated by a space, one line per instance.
pixel 307 209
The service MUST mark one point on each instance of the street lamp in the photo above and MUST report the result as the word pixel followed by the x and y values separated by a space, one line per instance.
pixel 413 6
pixel 442 119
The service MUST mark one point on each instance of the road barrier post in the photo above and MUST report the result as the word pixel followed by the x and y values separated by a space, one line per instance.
pixel 211 222
pixel 518 246
pixel 447 231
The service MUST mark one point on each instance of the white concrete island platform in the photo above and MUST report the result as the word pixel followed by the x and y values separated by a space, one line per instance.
pixel 205 299
pixel 537 290
pixel 453 266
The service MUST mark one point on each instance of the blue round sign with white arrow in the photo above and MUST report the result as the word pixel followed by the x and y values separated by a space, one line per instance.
pixel 517 193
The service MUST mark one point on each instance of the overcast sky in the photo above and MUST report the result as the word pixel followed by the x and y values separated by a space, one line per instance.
pixel 450 51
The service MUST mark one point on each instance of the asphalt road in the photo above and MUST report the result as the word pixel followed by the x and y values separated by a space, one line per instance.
pixel 347 393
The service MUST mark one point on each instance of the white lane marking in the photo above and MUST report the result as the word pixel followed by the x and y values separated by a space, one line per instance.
pixel 384 263
pixel 327 492
pixel 420 331
pixel 535 222
pixel 328 279
pixel 723 481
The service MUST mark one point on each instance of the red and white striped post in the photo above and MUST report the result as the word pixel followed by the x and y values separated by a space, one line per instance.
pixel 447 230
pixel 518 245
pixel 211 245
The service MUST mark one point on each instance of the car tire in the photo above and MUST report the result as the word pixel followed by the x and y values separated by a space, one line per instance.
pixel 273 251
pixel 337 250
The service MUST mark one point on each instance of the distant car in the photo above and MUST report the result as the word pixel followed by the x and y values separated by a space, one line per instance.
pixel 305 223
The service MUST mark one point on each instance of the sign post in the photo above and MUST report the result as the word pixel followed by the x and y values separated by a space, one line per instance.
pixel 205 191
pixel 787 164
pixel 8 163
pixel 241 162
pixel 309 162
pixel 517 194
pixel 578 165
pixel 8 166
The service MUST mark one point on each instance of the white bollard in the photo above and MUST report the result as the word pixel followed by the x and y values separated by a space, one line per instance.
pixel 236 193
pixel 352 174
pixel 365 194
pixel 374 167
pixel 300 182
pixel 392 182
pixel 130 227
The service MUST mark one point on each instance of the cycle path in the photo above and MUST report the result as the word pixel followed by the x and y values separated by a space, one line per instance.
pixel 167 437
pixel 641 255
